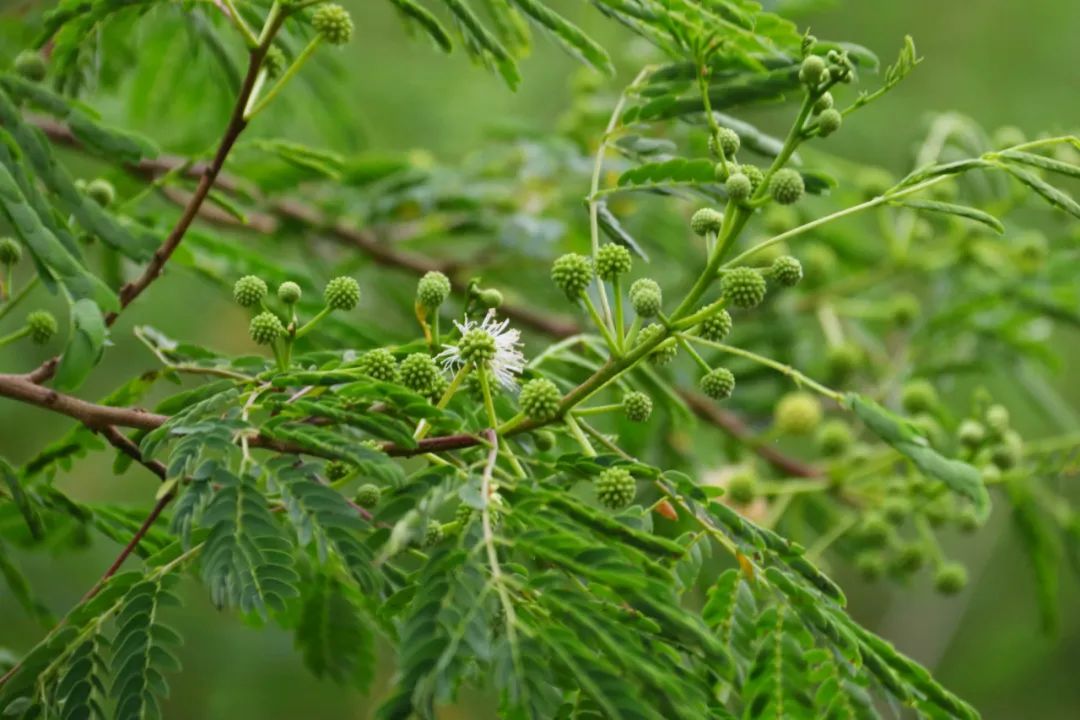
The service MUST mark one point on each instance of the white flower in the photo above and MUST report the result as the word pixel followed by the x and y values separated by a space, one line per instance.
pixel 508 361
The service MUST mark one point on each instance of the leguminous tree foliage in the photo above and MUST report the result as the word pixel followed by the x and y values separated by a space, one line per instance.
pixel 576 421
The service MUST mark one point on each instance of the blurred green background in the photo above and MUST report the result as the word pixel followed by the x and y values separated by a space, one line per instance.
pixel 1002 61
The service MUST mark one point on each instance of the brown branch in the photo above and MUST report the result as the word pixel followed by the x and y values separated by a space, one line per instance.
pixel 95 417
pixel 125 445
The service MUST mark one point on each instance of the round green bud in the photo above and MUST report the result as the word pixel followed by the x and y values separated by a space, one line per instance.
pixel 539 399
pixel 342 293
pixel 419 373
pixel 797 413
pixel 823 103
pixel 572 273
pixel 904 309
pixel 739 187
pixel 337 470
pixel 842 360
pixel 1007 454
pixel 918 396
pixel 971 433
pixel 367 495
pixel 249 290
pixel 716 327
pixel 439 387
pixel 950 578
pixel 786 186
pixel 10 251
pixel 939 510
pixel 834 438
pixel 991 474
pixel 870 565
pixel 729 141
pixel 433 533
pixel 997 419
pixel 42 326
pixel 742 487
pixel 30 64
pixel 813 70
pixel 646 297
pixel 744 287
pixel 637 406
pixel 333 23
pixel 909 558
pixel 544 440
pixel 477 347
pixel 874 530
pixel 289 292
pixel 718 383
pixel 755 174
pixel 379 364
pixel 463 514
pixel 968 520
pixel 612 261
pixel 490 298
pixel 705 221
pixel 265 328
pixel 433 289
pixel 829 122
pixel 101 191
pixel 786 270
pixel 615 488
pixel 896 509
pixel 274 62
pixel 841 70
pixel 664 353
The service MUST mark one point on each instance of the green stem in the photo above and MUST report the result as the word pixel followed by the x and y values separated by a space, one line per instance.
pixel 423 428
pixel 17 335
pixel 791 372
pixel 600 324
pixel 18 297
pixel 620 321
pixel 310 325
pixel 598 409
pixel 254 108
pixel 575 430
pixel 493 421
pixel 240 24
pixel 694 354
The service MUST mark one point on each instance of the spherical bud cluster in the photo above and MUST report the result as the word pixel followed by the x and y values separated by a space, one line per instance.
pixel 813 70
pixel 718 383
pixel 904 309
pixel 540 399
pixel 337 470
pixel 874 530
pixel 419 373
pixel 829 122
pixel 716 327
pixel 544 440
pixel 840 67
pixel 265 328
pixel 968 520
pixel 755 174
pixel 896 509
pixel 10 251
pixel 834 438
pixel 101 191
pixel 572 273
pixel 1007 454
pixel 433 289
pixel 842 360
pixel 743 286
pixel 742 488
pixel 871 565
pixel 797 413
pixel 786 186
pixel 705 221
pixel 909 558
pixel 342 293
pixel 333 23
pixel 612 261
pixel 738 187
pixel 463 514
pixel 274 62
pixel 646 297
pixel 477 347
pixel 971 433
pixel 950 578
pixel 489 298
pixel 379 364
pixel 433 534
pixel 249 290
pixel 823 103
pixel 729 141
pixel 997 419
pixel 664 353
pixel 289 292
pixel 42 326
pixel 637 406
pixel 30 64
pixel 786 270
pixel 367 496
pixel 918 396
pixel 615 488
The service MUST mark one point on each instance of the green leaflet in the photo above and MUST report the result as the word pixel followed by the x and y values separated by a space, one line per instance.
pixel 1040 161
pixel 959 476
pixel 22 501
pixel 423 18
pixel 1043 549
pixel 482 44
pixel 86 343
pixel 676 170
pixel 20 589
pixel 963 211
pixel 332 635
pixel 142 651
pixel 1056 197
pixel 569 35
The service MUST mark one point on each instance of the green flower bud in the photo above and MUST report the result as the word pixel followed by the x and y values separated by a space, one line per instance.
pixel 274 62
pixel 637 406
pixel 539 399
pixel 904 309
pixel 834 438
pixel 490 298
pixel 463 514
pixel 971 433
pixel 367 496
pixel 42 326
pixel 939 510
pixel 477 347
pixel 333 23
pixel 101 191
pixel 716 327
pixel 615 488
pixel 738 187
pixel 997 419
pixel 754 173
pixel 249 290
pixel 10 251
pixel 842 360
pixel 718 383
pixel 874 530
pixel 30 64
pixel 896 509
pixel 786 270
pixel 786 186
pixel 289 292
pixel 950 578
pixel 379 364
pixel 337 470
pixel 544 440
pixel 419 373
pixel 797 413
pixel 968 520
pixel 342 293
pixel 742 487
pixel 612 261
pixel 918 396
pixel 991 474
pixel 433 533
pixel 744 287
pixel 1007 454
pixel 572 273
pixel 909 558
pixel 871 565
pixel 813 70
pixel 663 353
pixel 829 122
pixel 729 141
pixel 646 297
pixel 265 328
pixel 433 289
pixel 823 103
pixel 705 221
